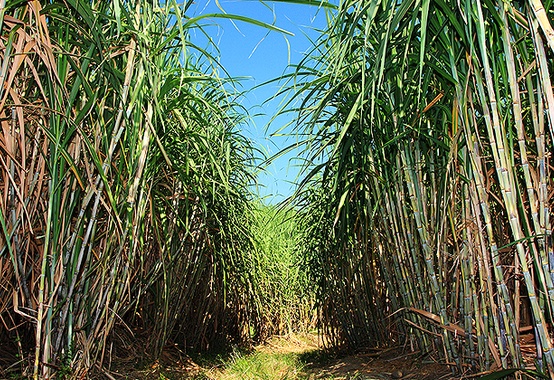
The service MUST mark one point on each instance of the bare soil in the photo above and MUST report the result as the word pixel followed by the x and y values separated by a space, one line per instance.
pixel 391 363
pixel 384 364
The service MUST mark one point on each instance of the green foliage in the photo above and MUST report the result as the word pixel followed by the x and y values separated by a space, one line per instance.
pixel 425 142
pixel 263 365
pixel 282 285
pixel 125 185
pixel 281 358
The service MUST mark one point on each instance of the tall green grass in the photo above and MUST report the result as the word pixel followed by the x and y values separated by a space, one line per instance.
pixel 280 277
pixel 426 197
pixel 125 186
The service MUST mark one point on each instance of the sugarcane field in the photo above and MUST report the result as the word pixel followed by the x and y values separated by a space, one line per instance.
pixel 180 202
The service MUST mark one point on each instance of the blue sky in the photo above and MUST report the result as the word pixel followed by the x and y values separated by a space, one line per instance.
pixel 252 52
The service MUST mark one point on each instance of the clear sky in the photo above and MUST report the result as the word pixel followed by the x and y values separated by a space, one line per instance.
pixel 252 52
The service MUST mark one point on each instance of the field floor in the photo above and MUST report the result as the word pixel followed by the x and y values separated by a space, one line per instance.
pixel 298 357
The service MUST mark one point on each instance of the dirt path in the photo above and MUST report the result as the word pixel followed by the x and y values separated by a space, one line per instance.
pixel 295 357
pixel 379 365
pixel 371 365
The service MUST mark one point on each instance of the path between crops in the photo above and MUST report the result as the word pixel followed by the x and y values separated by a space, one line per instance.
pixel 295 357
pixel 300 357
